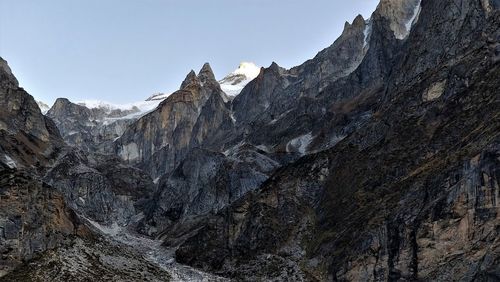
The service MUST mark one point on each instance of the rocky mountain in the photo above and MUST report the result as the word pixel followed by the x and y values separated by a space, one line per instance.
pixel 410 195
pixel 378 159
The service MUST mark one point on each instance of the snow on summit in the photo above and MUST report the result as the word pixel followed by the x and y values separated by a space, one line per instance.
pixel 234 82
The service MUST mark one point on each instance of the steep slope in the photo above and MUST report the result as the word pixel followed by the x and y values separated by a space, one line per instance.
pixel 412 194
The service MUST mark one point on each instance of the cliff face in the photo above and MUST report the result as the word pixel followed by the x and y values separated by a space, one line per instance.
pixel 411 194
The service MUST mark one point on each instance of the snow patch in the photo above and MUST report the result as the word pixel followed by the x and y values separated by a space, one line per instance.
pixel 234 82
pixel 158 96
pixel 414 17
pixel 10 162
pixel 299 144
pixel 367 32
pixel 44 108
pixel 144 107
pixel 113 230
pixel 248 69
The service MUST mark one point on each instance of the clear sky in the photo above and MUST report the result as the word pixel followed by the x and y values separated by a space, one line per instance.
pixel 124 50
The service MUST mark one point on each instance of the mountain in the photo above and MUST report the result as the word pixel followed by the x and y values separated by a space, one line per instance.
pixel 233 83
pixel 376 160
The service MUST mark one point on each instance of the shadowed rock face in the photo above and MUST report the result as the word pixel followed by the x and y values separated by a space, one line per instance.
pixel 411 194
pixel 100 187
pixel 205 182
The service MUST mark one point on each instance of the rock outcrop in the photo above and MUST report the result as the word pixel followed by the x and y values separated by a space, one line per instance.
pixel 49 192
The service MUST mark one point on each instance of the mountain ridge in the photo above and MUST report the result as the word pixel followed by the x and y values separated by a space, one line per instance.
pixel 377 160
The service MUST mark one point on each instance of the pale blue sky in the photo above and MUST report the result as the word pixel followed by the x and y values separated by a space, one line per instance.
pixel 124 50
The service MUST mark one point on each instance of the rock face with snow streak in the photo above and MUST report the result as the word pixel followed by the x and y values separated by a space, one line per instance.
pixel 273 114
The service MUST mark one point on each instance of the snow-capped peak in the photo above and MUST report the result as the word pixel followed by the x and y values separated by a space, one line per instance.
pixel 234 82
pixel 248 69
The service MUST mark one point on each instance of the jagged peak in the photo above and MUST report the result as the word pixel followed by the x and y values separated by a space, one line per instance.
pixel 62 101
pixel 359 21
pixel 190 79
pixel 206 74
pixel 274 67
